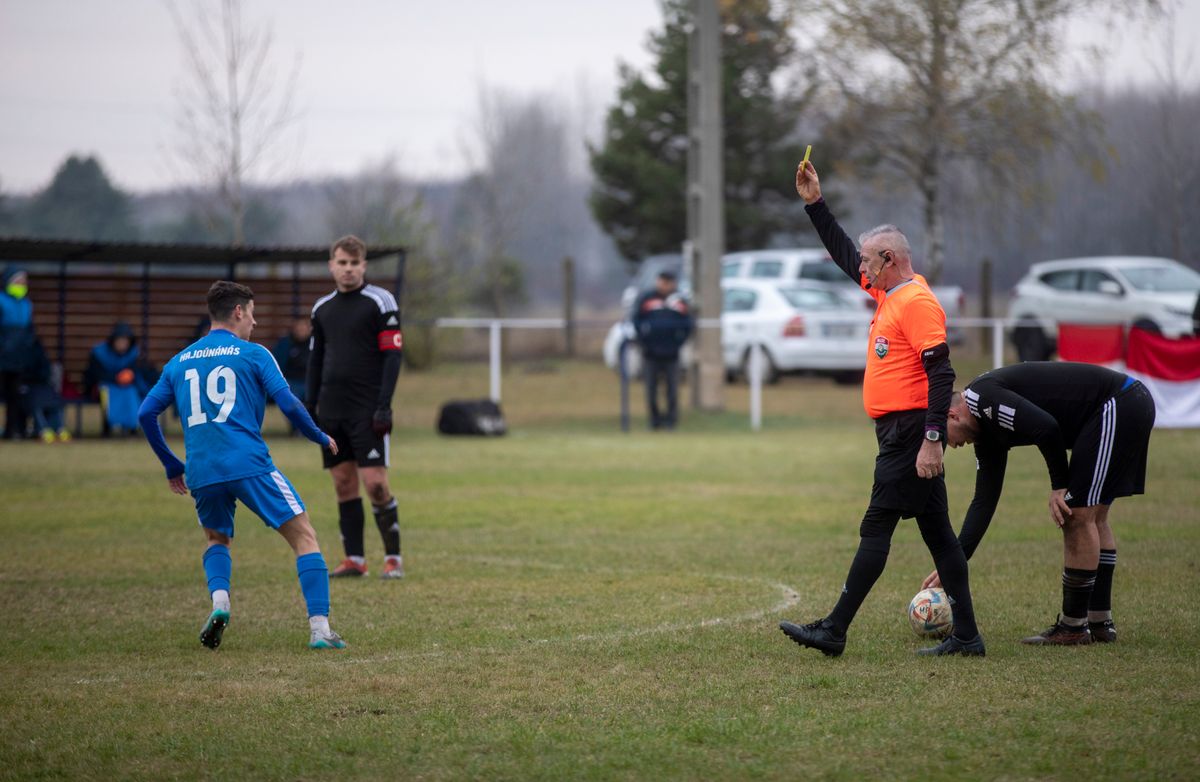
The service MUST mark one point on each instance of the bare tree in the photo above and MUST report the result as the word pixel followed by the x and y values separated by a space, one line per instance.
pixel 931 84
pixel 1177 164
pixel 379 205
pixel 232 111
pixel 382 207
pixel 517 204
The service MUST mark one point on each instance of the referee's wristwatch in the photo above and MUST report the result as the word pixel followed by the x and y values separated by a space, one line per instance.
pixel 934 436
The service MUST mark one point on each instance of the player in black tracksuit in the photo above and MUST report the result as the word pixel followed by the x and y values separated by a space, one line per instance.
pixel 1104 418
pixel 352 372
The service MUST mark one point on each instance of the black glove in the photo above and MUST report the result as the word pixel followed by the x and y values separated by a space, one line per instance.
pixel 381 422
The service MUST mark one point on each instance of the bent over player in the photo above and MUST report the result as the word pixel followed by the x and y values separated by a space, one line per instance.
pixel 906 390
pixel 352 372
pixel 219 384
pixel 1104 418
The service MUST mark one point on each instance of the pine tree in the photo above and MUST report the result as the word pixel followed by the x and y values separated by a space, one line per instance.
pixel 641 164
pixel 81 203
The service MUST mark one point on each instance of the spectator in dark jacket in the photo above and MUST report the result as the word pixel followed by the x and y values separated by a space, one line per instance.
pixel 291 353
pixel 40 395
pixel 117 372
pixel 16 343
pixel 663 322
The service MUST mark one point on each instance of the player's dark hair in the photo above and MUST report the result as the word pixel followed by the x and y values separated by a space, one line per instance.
pixel 352 245
pixel 224 295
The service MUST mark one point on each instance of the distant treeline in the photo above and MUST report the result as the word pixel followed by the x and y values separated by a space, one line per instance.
pixel 1130 185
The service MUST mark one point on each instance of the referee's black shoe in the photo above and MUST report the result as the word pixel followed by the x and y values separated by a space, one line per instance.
pixel 952 645
pixel 816 635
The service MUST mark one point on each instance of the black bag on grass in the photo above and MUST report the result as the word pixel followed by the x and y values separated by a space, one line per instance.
pixel 472 416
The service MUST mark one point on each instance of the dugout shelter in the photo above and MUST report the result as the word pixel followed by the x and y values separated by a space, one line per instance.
pixel 80 289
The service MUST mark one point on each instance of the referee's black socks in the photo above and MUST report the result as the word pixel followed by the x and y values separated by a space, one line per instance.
pixel 875 540
pixel 350 521
pixel 387 518
pixel 952 569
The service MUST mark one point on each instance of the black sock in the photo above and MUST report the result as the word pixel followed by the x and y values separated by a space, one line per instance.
pixel 350 522
pixel 1077 590
pixel 952 569
pixel 1101 599
pixel 868 564
pixel 951 566
pixel 387 518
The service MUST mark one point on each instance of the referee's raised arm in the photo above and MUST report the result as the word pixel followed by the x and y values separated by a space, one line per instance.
pixel 837 243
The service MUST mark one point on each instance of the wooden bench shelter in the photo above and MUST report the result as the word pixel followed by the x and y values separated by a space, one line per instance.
pixel 80 290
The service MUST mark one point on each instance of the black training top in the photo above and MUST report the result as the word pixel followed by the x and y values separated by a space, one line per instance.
pixel 356 340
pixel 1042 403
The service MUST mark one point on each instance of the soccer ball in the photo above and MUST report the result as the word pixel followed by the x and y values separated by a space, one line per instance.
pixel 930 614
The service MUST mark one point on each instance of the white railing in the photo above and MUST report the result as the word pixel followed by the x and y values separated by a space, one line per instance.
pixel 757 363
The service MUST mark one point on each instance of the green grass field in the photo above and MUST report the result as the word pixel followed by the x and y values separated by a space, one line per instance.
pixel 583 604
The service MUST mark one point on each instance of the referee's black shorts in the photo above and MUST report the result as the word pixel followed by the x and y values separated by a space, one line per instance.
pixel 355 441
pixel 897 485
pixel 1108 458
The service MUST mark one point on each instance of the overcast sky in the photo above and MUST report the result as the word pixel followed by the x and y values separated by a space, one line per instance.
pixel 376 78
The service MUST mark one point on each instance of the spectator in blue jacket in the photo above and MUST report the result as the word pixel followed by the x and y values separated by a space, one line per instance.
pixel 117 371
pixel 16 344
pixel 663 322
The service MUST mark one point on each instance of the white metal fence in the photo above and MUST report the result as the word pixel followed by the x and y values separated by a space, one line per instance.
pixel 495 327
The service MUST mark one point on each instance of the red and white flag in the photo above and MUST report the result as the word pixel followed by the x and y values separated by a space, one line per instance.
pixel 1092 344
pixel 1170 369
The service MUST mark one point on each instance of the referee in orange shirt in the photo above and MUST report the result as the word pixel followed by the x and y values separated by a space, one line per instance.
pixel 907 391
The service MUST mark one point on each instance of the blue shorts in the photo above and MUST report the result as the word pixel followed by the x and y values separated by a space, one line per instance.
pixel 270 495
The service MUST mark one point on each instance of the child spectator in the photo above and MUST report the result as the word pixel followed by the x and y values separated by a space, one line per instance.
pixel 41 398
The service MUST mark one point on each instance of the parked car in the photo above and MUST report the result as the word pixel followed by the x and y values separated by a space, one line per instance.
pixel 791 264
pixel 816 265
pixel 800 325
pixel 1152 293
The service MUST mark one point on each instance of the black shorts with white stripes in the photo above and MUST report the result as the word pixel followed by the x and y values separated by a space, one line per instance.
pixel 1108 459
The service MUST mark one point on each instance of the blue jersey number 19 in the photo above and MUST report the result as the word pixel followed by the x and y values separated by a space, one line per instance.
pixel 224 396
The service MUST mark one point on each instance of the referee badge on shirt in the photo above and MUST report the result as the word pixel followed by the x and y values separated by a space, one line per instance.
pixel 881 346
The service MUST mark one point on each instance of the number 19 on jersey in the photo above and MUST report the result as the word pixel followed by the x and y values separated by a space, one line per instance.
pixel 221 389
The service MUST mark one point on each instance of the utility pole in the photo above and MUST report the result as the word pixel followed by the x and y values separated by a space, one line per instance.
pixel 706 199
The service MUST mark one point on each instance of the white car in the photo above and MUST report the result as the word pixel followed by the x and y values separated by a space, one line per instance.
pixel 816 265
pixel 793 264
pixel 1153 293
pixel 800 326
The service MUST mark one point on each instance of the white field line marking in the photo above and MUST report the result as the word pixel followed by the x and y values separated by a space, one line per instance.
pixel 789 598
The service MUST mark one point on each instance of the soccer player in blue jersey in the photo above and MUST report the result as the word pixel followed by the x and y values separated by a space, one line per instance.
pixel 219 385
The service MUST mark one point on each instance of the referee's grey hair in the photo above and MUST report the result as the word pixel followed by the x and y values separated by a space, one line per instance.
pixel 896 238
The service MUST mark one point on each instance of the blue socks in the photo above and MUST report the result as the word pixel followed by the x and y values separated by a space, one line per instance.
pixel 314 582
pixel 218 566
pixel 310 568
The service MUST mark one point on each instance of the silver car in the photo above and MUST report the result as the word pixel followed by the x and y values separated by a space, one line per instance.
pixel 1158 294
